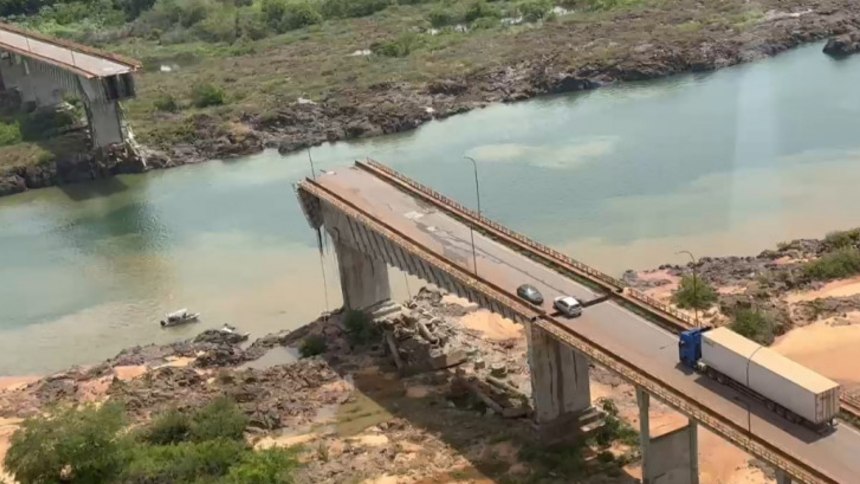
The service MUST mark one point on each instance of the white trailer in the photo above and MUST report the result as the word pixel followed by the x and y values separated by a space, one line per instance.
pixel 787 387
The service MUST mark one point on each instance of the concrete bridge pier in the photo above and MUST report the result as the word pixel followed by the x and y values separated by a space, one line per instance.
pixel 561 391
pixel 670 458
pixel 363 277
pixel 782 477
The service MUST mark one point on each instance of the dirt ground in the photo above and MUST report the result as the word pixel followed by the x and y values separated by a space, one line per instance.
pixel 370 424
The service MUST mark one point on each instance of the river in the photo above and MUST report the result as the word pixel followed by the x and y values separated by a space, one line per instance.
pixel 722 163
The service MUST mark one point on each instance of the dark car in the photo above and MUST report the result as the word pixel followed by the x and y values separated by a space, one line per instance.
pixel 530 294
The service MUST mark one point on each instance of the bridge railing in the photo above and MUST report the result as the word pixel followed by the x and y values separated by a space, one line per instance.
pixel 796 465
pixel 537 246
pixel 668 314
pixel 606 279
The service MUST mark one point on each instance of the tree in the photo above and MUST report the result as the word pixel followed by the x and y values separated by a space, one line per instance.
pixel 754 325
pixel 82 446
pixel 694 293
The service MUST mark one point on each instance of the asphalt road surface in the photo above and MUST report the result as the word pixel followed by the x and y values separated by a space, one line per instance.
pixel 621 331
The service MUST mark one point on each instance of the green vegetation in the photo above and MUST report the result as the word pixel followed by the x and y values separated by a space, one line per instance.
pixel 839 263
pixel 10 133
pixel 169 428
pixel 211 63
pixel 400 47
pixel 753 324
pixel 842 239
pixel 313 345
pixel 90 445
pixel 166 102
pixel 580 459
pixel 221 419
pixel 360 328
pixel 694 293
pixel 614 429
pixel 534 10
pixel 81 445
pixel 206 94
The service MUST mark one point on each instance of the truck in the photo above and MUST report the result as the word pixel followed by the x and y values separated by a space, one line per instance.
pixel 788 388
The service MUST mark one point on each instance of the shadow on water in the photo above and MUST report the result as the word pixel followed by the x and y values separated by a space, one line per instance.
pixel 79 192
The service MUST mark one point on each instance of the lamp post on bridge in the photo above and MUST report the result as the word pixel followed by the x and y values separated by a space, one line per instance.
pixel 478 196
pixel 695 285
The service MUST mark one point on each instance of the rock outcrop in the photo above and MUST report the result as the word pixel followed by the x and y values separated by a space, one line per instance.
pixel 843 45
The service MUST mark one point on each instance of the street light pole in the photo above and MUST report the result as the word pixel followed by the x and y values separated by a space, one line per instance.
pixel 313 171
pixel 695 285
pixel 471 230
pixel 477 186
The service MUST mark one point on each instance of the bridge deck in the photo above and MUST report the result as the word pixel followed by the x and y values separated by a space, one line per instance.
pixel 639 341
pixel 80 59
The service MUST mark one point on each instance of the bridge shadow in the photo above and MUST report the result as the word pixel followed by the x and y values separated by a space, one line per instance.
pixel 495 448
pixel 97 188
pixel 756 411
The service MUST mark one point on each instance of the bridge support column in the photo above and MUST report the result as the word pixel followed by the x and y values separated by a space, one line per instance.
pixel 363 279
pixel 670 458
pixel 561 390
pixel 782 477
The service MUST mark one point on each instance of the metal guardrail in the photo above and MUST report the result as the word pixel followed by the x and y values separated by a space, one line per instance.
pixel 670 316
pixel 797 468
pixel 593 274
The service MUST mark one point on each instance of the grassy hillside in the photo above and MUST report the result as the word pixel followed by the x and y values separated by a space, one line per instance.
pixel 237 60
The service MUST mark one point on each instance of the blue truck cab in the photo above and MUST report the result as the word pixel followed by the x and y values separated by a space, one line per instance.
pixel 690 347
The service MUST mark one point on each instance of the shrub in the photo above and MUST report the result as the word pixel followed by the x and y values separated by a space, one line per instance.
pixel 843 238
pixel 46 123
pixel 219 26
pixel 183 462
pixel 399 47
pixel 754 325
pixel 359 327
pixel 166 102
pixel 694 294
pixel 481 9
pixel 264 467
pixel 10 133
pixel 284 15
pixel 613 428
pixel 534 10
pixel 133 8
pixel 485 23
pixel 839 263
pixel 312 345
pixel 221 419
pixel 206 94
pixel 441 16
pixel 169 428
pixel 352 8
pixel 83 444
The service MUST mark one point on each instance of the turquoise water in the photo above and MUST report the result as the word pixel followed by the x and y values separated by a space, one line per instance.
pixel 723 163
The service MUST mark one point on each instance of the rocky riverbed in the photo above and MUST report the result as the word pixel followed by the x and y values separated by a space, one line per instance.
pixel 453 405
pixel 559 59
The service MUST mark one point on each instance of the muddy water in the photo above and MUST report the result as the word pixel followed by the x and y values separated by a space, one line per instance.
pixel 729 162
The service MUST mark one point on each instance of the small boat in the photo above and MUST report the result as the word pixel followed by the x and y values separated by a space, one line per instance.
pixel 179 317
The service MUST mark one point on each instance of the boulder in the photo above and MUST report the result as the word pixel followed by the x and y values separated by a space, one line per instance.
pixel 843 45
pixel 11 183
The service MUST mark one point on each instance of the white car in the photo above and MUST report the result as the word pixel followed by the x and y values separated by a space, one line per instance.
pixel 568 306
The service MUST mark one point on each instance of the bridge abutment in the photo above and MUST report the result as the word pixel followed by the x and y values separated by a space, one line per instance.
pixel 671 457
pixel 561 390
